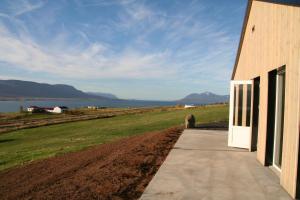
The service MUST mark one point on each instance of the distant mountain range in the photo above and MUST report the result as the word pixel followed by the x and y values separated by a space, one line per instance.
pixel 101 94
pixel 26 89
pixel 204 98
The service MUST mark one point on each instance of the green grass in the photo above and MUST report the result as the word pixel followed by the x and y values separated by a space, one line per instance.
pixel 26 145
pixel 4 117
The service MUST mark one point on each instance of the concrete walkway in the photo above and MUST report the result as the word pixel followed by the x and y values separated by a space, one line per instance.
pixel 201 166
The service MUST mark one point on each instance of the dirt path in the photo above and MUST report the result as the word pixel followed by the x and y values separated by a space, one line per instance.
pixel 119 170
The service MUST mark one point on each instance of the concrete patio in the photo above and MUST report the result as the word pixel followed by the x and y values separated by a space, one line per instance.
pixel 201 166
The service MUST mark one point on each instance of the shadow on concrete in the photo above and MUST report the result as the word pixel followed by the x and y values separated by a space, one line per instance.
pixel 223 125
pixel 228 150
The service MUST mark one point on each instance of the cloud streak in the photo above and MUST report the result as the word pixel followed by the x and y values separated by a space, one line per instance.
pixel 92 61
pixel 21 7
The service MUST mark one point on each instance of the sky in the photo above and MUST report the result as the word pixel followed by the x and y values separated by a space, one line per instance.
pixel 135 49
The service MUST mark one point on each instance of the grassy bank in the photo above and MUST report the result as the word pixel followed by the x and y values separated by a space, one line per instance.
pixel 26 145
pixel 16 121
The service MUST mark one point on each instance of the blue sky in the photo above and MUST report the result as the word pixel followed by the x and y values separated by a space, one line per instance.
pixel 156 49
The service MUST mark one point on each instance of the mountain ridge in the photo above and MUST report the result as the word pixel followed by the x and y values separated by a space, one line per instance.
pixel 204 98
pixel 28 89
pixel 103 94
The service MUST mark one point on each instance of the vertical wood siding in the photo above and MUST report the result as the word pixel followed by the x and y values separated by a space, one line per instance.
pixel 275 42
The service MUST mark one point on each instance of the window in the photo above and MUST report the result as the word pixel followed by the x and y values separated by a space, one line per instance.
pixel 240 106
pixel 279 117
pixel 234 106
pixel 248 114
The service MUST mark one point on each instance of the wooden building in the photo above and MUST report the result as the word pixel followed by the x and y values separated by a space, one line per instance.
pixel 265 88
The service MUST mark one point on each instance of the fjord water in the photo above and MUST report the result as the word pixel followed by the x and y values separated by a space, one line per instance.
pixel 14 106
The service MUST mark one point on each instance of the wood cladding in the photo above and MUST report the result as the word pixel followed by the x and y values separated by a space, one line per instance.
pixel 273 43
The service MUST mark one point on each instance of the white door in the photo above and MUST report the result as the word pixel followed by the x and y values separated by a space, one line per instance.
pixel 240 123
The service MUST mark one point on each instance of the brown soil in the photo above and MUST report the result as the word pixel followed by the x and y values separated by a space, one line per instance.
pixel 118 170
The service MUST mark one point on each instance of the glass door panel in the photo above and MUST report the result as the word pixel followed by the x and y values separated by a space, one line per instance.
pixel 279 118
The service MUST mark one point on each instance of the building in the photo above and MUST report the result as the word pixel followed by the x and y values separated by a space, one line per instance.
pixel 31 108
pixel 56 109
pixel 189 106
pixel 265 88
pixel 93 107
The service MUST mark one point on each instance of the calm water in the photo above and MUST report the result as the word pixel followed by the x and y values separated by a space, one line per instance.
pixel 14 106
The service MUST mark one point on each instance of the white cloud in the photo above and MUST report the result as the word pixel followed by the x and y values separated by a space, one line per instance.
pixel 92 61
pixel 185 47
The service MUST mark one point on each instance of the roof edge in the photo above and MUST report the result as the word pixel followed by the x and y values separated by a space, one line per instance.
pixel 281 3
pixel 245 23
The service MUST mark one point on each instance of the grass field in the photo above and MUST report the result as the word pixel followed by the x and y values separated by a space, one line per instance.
pixel 17 121
pixel 26 145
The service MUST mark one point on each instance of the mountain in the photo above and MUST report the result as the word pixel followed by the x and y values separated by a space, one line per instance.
pixel 203 98
pixel 101 94
pixel 17 88
pixel 28 89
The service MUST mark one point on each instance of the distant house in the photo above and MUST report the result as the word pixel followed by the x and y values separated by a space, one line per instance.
pixel 189 106
pixel 93 107
pixel 32 108
pixel 56 109
pixel 96 107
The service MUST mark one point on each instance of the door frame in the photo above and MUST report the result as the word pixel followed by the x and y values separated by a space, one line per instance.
pixel 255 112
pixel 280 71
